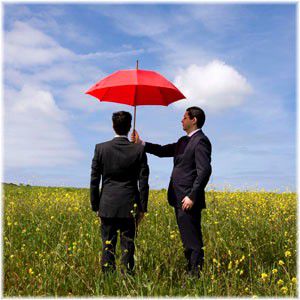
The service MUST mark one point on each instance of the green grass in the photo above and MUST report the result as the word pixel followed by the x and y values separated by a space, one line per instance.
pixel 52 246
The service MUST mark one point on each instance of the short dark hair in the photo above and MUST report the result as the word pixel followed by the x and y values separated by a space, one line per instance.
pixel 121 122
pixel 197 112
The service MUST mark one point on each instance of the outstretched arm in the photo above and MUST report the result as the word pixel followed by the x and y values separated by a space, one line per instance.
pixel 155 149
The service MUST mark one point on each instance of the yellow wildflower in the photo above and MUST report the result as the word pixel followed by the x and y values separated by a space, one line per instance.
pixel 287 253
pixel 107 242
pixel 274 271
pixel 281 263
pixel 280 282
pixel 30 271
pixel 230 265
pixel 294 280
pixel 264 276
pixel 284 289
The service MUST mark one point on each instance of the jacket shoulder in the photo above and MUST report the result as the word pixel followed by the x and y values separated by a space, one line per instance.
pixel 103 145
pixel 202 138
pixel 139 148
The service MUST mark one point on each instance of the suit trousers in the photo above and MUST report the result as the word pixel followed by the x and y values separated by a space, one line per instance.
pixel 109 234
pixel 189 224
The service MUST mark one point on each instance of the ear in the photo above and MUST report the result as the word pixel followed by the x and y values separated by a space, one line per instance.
pixel 194 120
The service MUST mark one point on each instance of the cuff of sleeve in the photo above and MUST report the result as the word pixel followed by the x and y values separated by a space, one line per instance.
pixel 191 197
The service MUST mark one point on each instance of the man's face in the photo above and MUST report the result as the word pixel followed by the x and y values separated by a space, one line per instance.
pixel 187 123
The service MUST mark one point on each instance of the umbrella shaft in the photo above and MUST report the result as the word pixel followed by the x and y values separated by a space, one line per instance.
pixel 134 118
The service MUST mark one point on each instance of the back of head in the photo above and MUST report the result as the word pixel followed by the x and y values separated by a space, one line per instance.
pixel 198 113
pixel 121 122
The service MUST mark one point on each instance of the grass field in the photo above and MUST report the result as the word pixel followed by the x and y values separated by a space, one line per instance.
pixel 52 246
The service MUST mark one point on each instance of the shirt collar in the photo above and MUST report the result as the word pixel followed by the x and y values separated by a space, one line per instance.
pixel 193 132
pixel 122 136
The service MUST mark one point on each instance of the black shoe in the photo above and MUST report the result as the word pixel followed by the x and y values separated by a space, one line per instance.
pixel 195 270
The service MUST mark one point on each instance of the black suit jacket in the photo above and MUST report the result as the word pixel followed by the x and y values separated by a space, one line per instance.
pixel 192 167
pixel 122 166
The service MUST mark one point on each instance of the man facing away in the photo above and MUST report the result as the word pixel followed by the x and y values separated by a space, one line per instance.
pixel 124 171
pixel 190 175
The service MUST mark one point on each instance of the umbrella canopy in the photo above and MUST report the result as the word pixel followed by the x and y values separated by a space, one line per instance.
pixel 136 87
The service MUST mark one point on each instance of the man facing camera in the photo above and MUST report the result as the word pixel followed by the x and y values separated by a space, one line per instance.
pixel 123 198
pixel 190 175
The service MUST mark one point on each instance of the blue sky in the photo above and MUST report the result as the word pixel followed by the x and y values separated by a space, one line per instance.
pixel 236 61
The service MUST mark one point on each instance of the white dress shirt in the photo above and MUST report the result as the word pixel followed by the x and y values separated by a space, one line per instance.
pixel 193 132
pixel 125 136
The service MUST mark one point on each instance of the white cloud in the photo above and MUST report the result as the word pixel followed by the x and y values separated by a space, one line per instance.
pixel 35 133
pixel 74 97
pixel 25 46
pixel 214 86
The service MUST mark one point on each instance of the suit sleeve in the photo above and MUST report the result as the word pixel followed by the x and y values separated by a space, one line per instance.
pixel 160 151
pixel 96 173
pixel 203 167
pixel 143 182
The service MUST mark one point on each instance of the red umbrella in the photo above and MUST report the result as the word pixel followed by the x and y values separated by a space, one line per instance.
pixel 136 87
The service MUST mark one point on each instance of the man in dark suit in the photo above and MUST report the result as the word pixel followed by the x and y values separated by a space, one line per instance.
pixel 190 175
pixel 123 199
